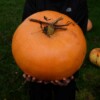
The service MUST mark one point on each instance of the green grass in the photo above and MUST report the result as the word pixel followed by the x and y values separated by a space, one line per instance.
pixel 11 79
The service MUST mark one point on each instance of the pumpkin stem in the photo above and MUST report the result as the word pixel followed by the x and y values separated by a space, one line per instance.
pixel 51 27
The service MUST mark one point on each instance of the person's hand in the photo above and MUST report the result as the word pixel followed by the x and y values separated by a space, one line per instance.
pixel 32 79
pixel 63 82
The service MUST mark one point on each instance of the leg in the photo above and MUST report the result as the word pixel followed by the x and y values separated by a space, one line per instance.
pixel 65 92
pixel 39 91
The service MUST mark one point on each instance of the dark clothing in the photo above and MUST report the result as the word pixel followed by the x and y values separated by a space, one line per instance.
pixel 78 11
pixel 52 92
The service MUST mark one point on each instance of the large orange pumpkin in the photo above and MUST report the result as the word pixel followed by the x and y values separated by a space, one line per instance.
pixel 49 57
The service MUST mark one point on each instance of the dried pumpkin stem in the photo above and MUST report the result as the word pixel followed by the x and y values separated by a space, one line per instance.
pixel 68 23
pixel 51 27
pixel 57 20
pixel 38 21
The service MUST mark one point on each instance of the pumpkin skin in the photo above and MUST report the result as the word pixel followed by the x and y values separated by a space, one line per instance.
pixel 94 56
pixel 48 58
pixel 89 25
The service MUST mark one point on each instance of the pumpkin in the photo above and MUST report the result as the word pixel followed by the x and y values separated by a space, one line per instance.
pixel 94 56
pixel 89 25
pixel 49 45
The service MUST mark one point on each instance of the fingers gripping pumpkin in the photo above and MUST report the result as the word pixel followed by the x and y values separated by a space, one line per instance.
pixel 49 45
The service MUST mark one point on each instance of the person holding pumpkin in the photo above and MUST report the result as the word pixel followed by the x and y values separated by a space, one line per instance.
pixel 59 89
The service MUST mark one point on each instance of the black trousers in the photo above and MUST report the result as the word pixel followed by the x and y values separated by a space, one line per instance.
pixel 39 91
